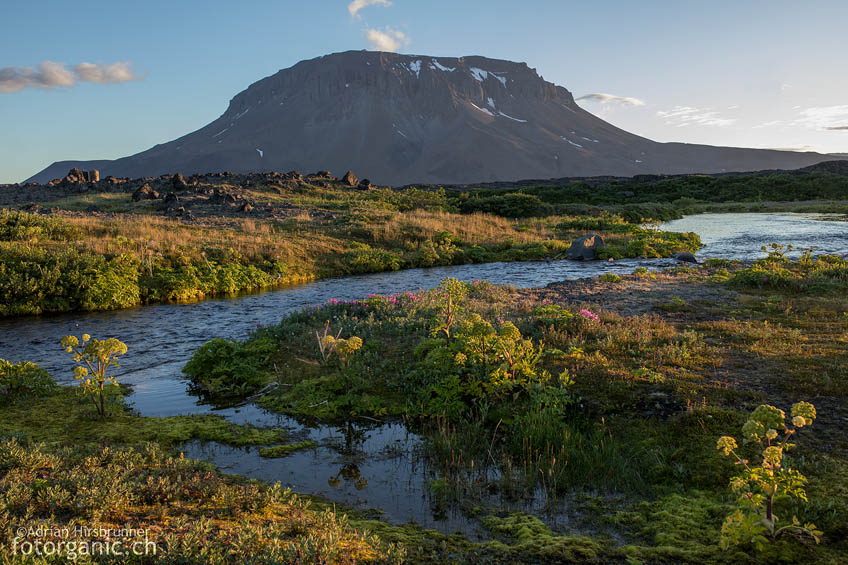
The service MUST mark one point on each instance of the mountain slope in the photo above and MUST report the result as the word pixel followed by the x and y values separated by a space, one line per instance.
pixel 399 119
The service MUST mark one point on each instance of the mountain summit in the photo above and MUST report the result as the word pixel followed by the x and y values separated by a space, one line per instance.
pixel 400 119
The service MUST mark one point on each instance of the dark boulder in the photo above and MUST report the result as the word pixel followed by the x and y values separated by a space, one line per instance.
pixel 585 248
pixel 685 256
pixel 364 184
pixel 350 179
pixel 179 182
pixel 145 192
pixel 172 202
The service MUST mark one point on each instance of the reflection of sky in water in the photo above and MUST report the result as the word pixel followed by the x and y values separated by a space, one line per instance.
pixel 369 467
pixel 740 236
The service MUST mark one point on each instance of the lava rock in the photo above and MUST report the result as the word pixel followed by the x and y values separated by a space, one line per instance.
pixel 179 182
pixel 350 179
pixel 172 202
pixel 685 257
pixel 145 192
pixel 585 248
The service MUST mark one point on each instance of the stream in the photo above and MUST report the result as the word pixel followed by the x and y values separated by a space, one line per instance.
pixel 366 466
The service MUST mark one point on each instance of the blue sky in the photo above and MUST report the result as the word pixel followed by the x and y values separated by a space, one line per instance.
pixel 766 73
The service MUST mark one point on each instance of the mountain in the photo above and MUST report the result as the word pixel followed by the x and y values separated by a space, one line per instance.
pixel 399 119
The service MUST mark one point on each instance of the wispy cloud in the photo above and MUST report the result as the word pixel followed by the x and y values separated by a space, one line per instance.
pixel 357 5
pixel 386 40
pixel 824 117
pixel 683 116
pixel 604 98
pixel 48 75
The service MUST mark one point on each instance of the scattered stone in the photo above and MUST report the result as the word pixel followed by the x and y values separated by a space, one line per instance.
pixel 685 257
pixel 246 207
pixel 172 202
pixel 145 192
pixel 585 248
pixel 350 179
pixel 179 182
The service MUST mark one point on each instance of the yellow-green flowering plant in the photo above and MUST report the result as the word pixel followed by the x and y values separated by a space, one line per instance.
pixel 453 291
pixel 758 486
pixel 93 358
pixel 328 344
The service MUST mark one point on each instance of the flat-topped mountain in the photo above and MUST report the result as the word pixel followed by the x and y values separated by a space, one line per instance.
pixel 401 119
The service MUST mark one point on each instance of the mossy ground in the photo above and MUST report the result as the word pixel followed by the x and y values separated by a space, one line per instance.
pixel 673 362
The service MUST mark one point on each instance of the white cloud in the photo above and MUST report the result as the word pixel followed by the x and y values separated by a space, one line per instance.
pixel 682 116
pixel 116 72
pixel 386 40
pixel 604 98
pixel 49 74
pixel 824 117
pixel 357 5
pixel 821 118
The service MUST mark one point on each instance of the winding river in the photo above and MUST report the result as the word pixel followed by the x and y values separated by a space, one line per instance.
pixel 366 466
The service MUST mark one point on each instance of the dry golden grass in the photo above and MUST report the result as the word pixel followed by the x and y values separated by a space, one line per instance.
pixel 473 228
pixel 254 239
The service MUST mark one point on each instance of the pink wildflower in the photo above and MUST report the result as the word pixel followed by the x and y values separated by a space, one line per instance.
pixel 589 315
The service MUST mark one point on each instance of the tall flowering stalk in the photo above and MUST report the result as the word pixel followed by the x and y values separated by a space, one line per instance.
pixel 758 486
pixel 94 357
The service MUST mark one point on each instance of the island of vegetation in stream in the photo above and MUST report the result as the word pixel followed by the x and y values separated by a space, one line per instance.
pixel 631 397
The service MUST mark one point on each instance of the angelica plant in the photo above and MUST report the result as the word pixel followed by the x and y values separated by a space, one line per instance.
pixel 453 291
pixel 94 357
pixel 758 486
pixel 328 344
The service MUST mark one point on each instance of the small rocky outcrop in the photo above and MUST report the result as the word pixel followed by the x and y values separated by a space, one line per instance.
pixel 350 179
pixel 585 248
pixel 246 207
pixel 179 182
pixel 145 192
pixel 685 257
pixel 364 184
pixel 172 202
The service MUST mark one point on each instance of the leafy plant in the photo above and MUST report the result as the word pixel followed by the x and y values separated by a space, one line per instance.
pixel 329 344
pixel 23 379
pixel 230 368
pixel 453 291
pixel 760 486
pixel 98 356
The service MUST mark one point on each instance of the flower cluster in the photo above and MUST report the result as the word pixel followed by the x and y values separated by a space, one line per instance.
pixel 589 315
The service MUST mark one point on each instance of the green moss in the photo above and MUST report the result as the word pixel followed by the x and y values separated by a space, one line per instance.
pixel 530 537
pixel 66 417
pixel 283 450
